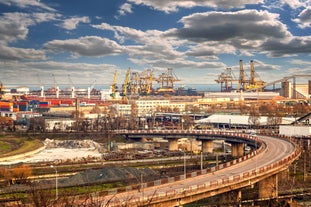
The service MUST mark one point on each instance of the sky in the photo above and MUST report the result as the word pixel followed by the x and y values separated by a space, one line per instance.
pixel 84 42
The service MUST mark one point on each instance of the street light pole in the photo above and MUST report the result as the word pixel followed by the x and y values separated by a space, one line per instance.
pixel 185 167
pixel 56 182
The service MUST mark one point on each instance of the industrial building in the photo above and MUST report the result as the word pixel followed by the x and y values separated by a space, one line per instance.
pixel 233 121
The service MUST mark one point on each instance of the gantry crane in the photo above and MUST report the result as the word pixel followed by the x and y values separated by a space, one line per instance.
pixel 225 79
pixel 1 90
pixel 56 87
pixel 135 82
pixel 254 83
pixel 114 85
pixel 72 87
pixel 167 81
pixel 242 82
pixel 146 78
pixel 41 86
pixel 90 88
pixel 126 85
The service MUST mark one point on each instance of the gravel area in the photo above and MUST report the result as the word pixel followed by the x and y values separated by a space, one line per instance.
pixel 59 151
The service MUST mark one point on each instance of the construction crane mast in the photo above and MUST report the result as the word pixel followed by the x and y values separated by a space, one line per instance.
pixel 167 81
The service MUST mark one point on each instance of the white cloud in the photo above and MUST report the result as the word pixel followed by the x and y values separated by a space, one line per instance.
pixel 295 4
pixel 174 5
pixel 86 46
pixel 26 4
pixel 72 23
pixel 80 73
pixel 304 18
pixel 12 53
pixel 124 9
pixel 15 26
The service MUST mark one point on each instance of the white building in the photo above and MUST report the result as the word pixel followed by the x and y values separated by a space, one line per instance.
pixel 59 124
pixel 147 107
pixel 231 120
pixel 295 131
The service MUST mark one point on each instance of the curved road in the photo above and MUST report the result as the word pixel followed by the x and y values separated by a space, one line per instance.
pixel 276 150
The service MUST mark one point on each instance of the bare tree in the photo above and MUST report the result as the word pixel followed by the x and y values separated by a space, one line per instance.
pixel 254 116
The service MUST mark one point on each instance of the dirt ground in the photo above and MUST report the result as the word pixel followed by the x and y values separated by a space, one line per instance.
pixel 61 151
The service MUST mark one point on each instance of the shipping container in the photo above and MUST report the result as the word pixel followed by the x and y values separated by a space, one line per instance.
pixel 15 109
pixel 55 102
pixel 69 102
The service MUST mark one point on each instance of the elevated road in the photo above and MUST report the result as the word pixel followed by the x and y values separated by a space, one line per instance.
pixel 262 166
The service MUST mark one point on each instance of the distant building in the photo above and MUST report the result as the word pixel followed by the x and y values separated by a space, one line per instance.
pixel 236 121
pixel 147 107
pixel 295 131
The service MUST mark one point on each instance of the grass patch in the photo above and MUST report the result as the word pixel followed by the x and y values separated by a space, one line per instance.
pixel 14 146
pixel 5 147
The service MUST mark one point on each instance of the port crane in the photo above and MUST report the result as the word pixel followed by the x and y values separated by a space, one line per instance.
pixel 146 78
pixel 1 90
pixel 90 88
pixel 114 85
pixel 41 86
pixel 135 83
pixel 56 87
pixel 167 81
pixel 226 79
pixel 126 85
pixel 72 87
pixel 254 83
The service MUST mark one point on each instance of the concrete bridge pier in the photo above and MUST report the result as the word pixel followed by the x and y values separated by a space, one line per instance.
pixel 172 144
pixel 268 187
pixel 207 146
pixel 237 149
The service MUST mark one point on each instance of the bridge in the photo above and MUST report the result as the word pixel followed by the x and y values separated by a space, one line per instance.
pixel 262 166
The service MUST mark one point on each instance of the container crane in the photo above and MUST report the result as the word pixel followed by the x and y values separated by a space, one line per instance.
pixel 255 83
pixel 56 87
pixel 114 85
pixel 72 87
pixel 225 79
pixel 167 81
pixel 126 85
pixel 135 83
pixel 90 88
pixel 41 86
pixel 146 78
pixel 242 81
pixel 1 90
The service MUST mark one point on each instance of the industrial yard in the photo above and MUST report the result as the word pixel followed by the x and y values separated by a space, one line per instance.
pixel 80 127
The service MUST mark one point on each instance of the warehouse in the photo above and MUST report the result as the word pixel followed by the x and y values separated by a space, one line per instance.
pixel 232 121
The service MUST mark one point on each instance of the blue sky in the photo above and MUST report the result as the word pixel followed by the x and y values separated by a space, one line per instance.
pixel 89 40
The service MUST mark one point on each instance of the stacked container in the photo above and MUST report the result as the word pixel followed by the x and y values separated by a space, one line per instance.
pixel 6 106
pixel 23 105
pixel 67 103
pixel 15 107
pixel 44 104
pixel 55 102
